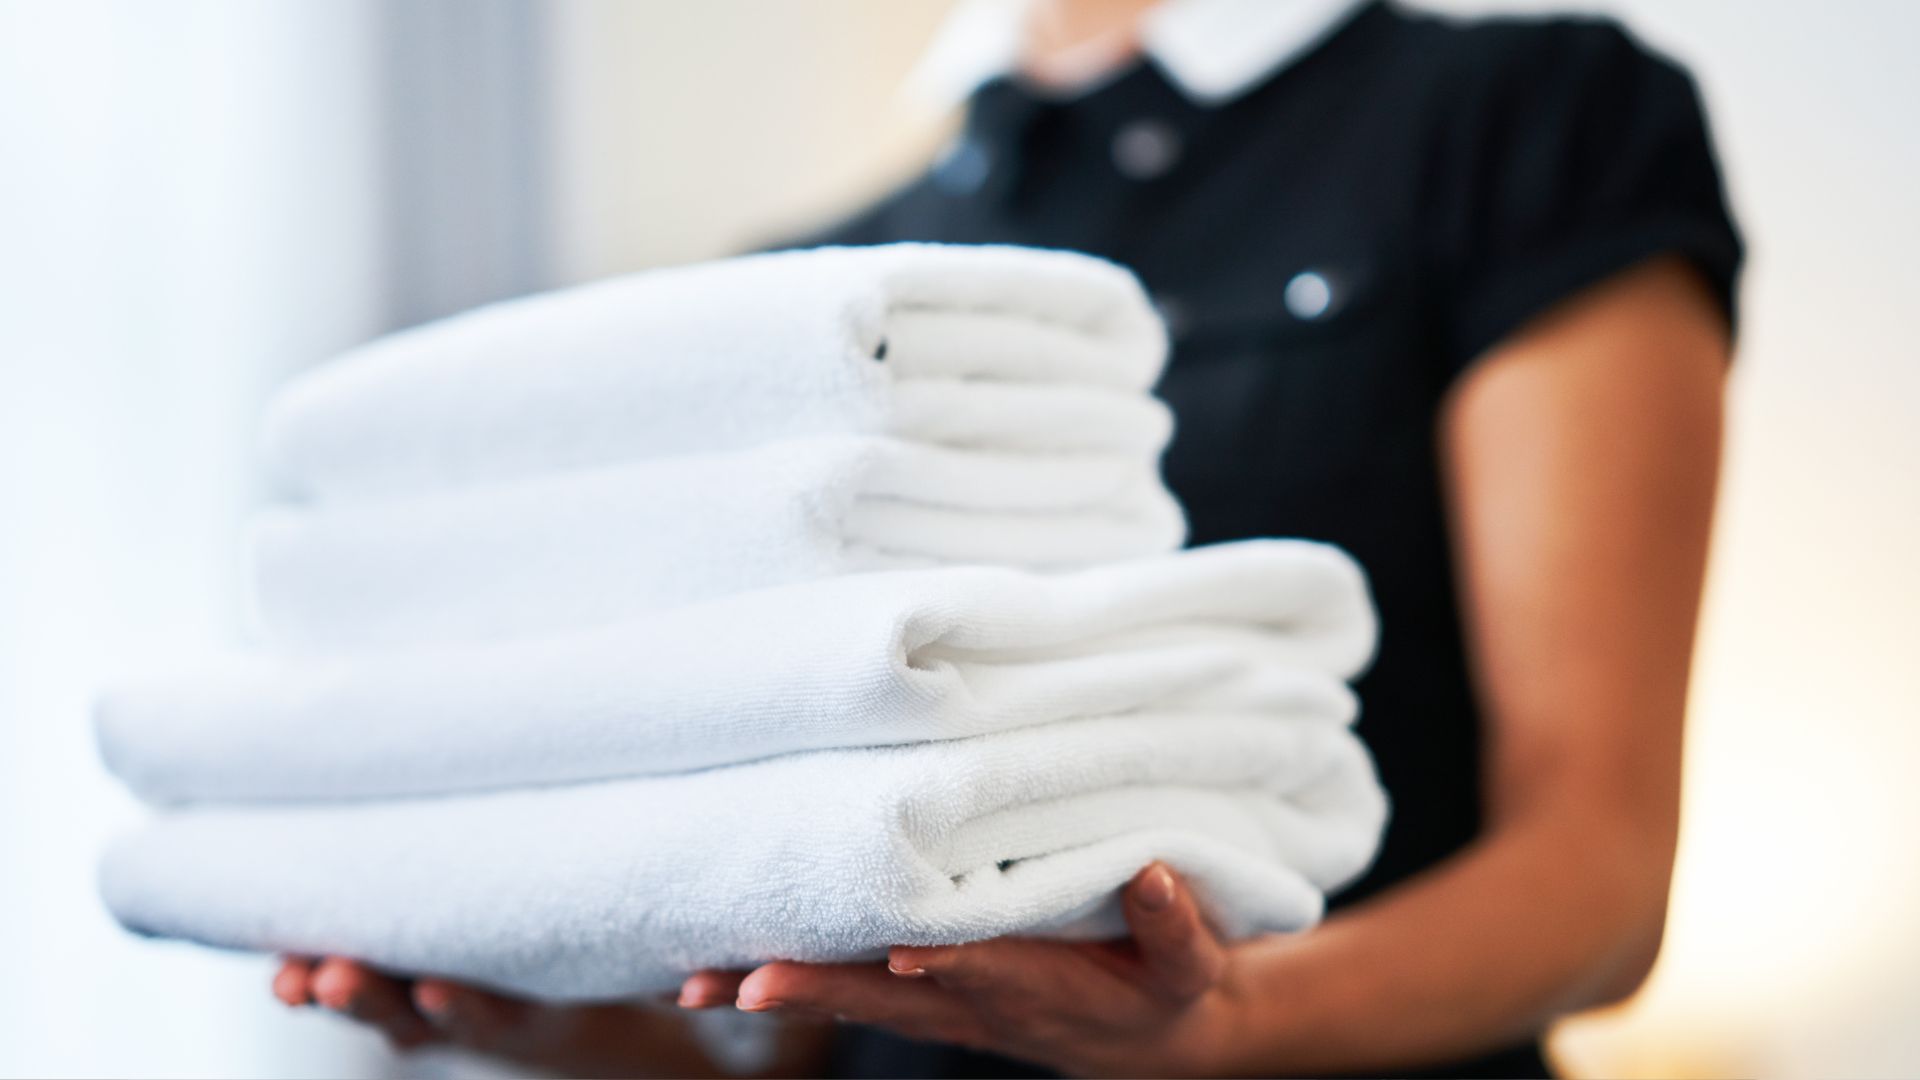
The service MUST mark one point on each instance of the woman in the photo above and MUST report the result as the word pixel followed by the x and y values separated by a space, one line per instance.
pixel 1457 297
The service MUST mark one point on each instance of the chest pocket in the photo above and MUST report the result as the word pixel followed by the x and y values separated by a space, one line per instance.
pixel 1294 385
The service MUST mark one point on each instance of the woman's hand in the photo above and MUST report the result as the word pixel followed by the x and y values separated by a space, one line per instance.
pixel 1154 1005
pixel 574 1040
pixel 414 1013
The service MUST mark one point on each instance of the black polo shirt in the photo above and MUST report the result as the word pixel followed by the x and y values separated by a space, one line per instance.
pixel 1331 250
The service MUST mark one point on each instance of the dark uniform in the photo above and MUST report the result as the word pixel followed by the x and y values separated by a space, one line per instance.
pixel 1331 250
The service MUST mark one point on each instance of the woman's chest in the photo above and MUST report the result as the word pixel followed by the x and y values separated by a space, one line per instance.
pixel 1301 378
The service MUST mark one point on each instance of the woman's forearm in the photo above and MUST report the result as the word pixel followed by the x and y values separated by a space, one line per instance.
pixel 1554 912
pixel 1580 457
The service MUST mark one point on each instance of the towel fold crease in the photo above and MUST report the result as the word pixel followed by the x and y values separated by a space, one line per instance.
pixel 874 659
pixel 588 547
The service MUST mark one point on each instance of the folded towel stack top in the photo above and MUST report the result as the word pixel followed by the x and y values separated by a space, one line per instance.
pixel 786 606
pixel 751 422
pixel 981 347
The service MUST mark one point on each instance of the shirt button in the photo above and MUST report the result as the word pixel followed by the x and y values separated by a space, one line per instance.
pixel 1309 295
pixel 1146 149
pixel 963 168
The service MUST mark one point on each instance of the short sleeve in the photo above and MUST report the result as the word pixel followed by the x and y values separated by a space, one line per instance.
pixel 1573 154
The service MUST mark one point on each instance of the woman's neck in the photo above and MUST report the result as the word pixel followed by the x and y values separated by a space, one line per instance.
pixel 1070 43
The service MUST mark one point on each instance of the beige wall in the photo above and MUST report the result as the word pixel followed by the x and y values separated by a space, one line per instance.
pixel 689 129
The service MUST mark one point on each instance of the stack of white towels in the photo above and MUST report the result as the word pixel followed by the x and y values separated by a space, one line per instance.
pixel 791 606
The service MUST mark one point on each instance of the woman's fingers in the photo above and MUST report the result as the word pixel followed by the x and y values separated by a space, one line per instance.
pixel 345 986
pixel 710 989
pixel 863 994
pixel 1174 955
pixel 471 1017
pixel 1018 981
pixel 369 997
pixel 409 1015
pixel 965 968
pixel 1182 957
pixel 292 984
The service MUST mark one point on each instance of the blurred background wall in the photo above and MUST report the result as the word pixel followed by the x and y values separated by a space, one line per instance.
pixel 201 196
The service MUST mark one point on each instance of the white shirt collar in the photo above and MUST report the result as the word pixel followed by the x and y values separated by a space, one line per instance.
pixel 1213 50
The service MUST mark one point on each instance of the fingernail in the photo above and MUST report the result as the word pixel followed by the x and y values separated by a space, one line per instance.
pixel 332 989
pixel 433 1001
pixel 759 1005
pixel 1155 890
pixel 906 972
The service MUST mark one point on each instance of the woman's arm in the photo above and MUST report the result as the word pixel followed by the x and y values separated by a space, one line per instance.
pixel 1581 458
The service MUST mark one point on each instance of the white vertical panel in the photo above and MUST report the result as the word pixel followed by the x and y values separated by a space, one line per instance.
pixel 185 210
pixel 464 113
pixel 689 130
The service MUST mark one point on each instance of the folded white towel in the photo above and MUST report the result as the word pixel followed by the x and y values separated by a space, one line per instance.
pixel 621 888
pixel 730 354
pixel 1268 626
pixel 1033 418
pixel 590 546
